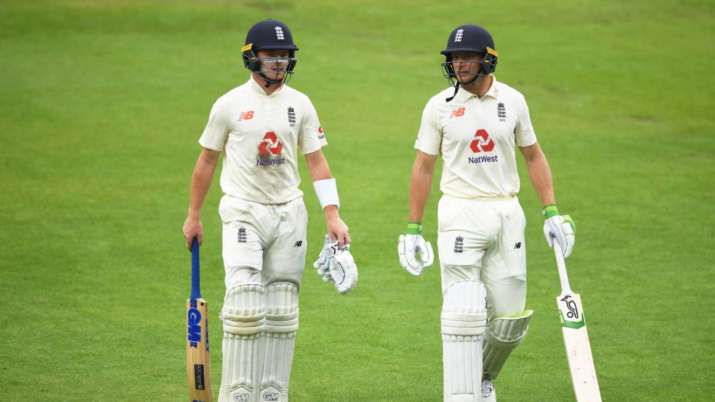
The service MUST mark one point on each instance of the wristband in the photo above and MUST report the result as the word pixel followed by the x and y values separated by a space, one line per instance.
pixel 414 228
pixel 327 191
pixel 550 211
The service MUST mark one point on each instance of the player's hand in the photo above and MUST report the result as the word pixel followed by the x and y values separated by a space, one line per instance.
pixel 414 252
pixel 193 228
pixel 560 229
pixel 336 228
pixel 336 264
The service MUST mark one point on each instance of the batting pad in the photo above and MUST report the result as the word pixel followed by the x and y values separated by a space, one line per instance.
pixel 504 334
pixel 243 318
pixel 464 319
pixel 281 328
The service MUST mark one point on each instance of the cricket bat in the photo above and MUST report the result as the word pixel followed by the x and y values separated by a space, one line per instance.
pixel 573 327
pixel 198 359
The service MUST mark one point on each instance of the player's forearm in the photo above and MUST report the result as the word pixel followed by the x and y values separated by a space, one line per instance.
pixel 319 170
pixel 540 176
pixel 318 167
pixel 200 184
pixel 420 185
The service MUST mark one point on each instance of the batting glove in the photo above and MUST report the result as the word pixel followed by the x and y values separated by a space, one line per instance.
pixel 560 229
pixel 336 264
pixel 415 253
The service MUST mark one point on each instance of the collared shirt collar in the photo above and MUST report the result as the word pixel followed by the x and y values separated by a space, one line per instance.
pixel 463 95
pixel 493 92
pixel 258 88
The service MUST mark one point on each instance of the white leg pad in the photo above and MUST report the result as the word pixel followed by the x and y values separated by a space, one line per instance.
pixel 464 318
pixel 243 318
pixel 504 334
pixel 281 330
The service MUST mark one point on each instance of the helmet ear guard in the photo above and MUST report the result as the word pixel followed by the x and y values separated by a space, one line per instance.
pixel 250 60
pixel 291 64
pixel 489 61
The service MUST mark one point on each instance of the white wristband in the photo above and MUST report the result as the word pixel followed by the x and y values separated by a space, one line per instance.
pixel 327 191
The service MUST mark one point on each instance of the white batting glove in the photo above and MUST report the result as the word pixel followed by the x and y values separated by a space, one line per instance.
pixel 415 253
pixel 336 264
pixel 560 229
pixel 322 264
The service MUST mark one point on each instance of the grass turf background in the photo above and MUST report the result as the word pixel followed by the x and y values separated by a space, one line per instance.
pixel 101 105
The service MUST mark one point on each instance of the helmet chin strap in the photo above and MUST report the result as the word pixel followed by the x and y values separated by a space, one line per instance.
pixel 270 81
pixel 457 84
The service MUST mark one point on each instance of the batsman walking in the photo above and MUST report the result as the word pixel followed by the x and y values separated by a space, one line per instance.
pixel 475 126
pixel 262 126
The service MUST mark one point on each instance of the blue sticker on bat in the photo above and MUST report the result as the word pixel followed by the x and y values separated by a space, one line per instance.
pixel 194 327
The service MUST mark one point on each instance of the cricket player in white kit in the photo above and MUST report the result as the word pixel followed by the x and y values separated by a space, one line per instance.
pixel 476 127
pixel 262 127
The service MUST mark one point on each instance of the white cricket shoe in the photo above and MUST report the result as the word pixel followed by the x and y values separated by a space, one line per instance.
pixel 489 394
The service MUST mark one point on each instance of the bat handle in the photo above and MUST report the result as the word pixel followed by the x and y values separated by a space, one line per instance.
pixel 195 270
pixel 561 266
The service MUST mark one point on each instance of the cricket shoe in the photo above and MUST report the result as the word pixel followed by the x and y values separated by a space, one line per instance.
pixel 489 394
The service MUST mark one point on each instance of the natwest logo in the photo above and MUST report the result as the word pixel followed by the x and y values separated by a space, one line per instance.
pixel 481 142
pixel 269 151
pixel 270 145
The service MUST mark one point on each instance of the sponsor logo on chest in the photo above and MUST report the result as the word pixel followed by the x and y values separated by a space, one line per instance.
pixel 482 146
pixel 270 151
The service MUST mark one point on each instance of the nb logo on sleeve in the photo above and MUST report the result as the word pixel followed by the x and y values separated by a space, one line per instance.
pixel 246 115
pixel 458 112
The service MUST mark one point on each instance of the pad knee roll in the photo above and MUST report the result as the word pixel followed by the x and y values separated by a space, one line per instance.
pixel 282 308
pixel 244 310
pixel 504 334
pixel 464 311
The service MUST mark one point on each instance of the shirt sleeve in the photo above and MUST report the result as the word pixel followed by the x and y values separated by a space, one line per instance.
pixel 524 131
pixel 216 131
pixel 429 136
pixel 312 136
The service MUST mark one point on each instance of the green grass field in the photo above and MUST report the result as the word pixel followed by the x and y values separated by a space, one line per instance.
pixel 101 105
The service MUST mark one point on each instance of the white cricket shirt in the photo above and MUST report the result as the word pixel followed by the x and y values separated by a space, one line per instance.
pixel 261 136
pixel 477 139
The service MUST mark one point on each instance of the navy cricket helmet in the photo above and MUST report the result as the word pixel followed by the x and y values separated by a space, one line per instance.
pixel 268 35
pixel 471 38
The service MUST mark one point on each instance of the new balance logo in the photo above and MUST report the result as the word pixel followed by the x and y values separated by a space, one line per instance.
pixel 501 112
pixel 458 35
pixel 279 33
pixel 459 244
pixel 291 116
pixel 242 235
pixel 298 243
pixel 459 112
pixel 246 115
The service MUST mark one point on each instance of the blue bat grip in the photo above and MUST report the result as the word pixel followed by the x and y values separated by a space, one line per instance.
pixel 195 276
